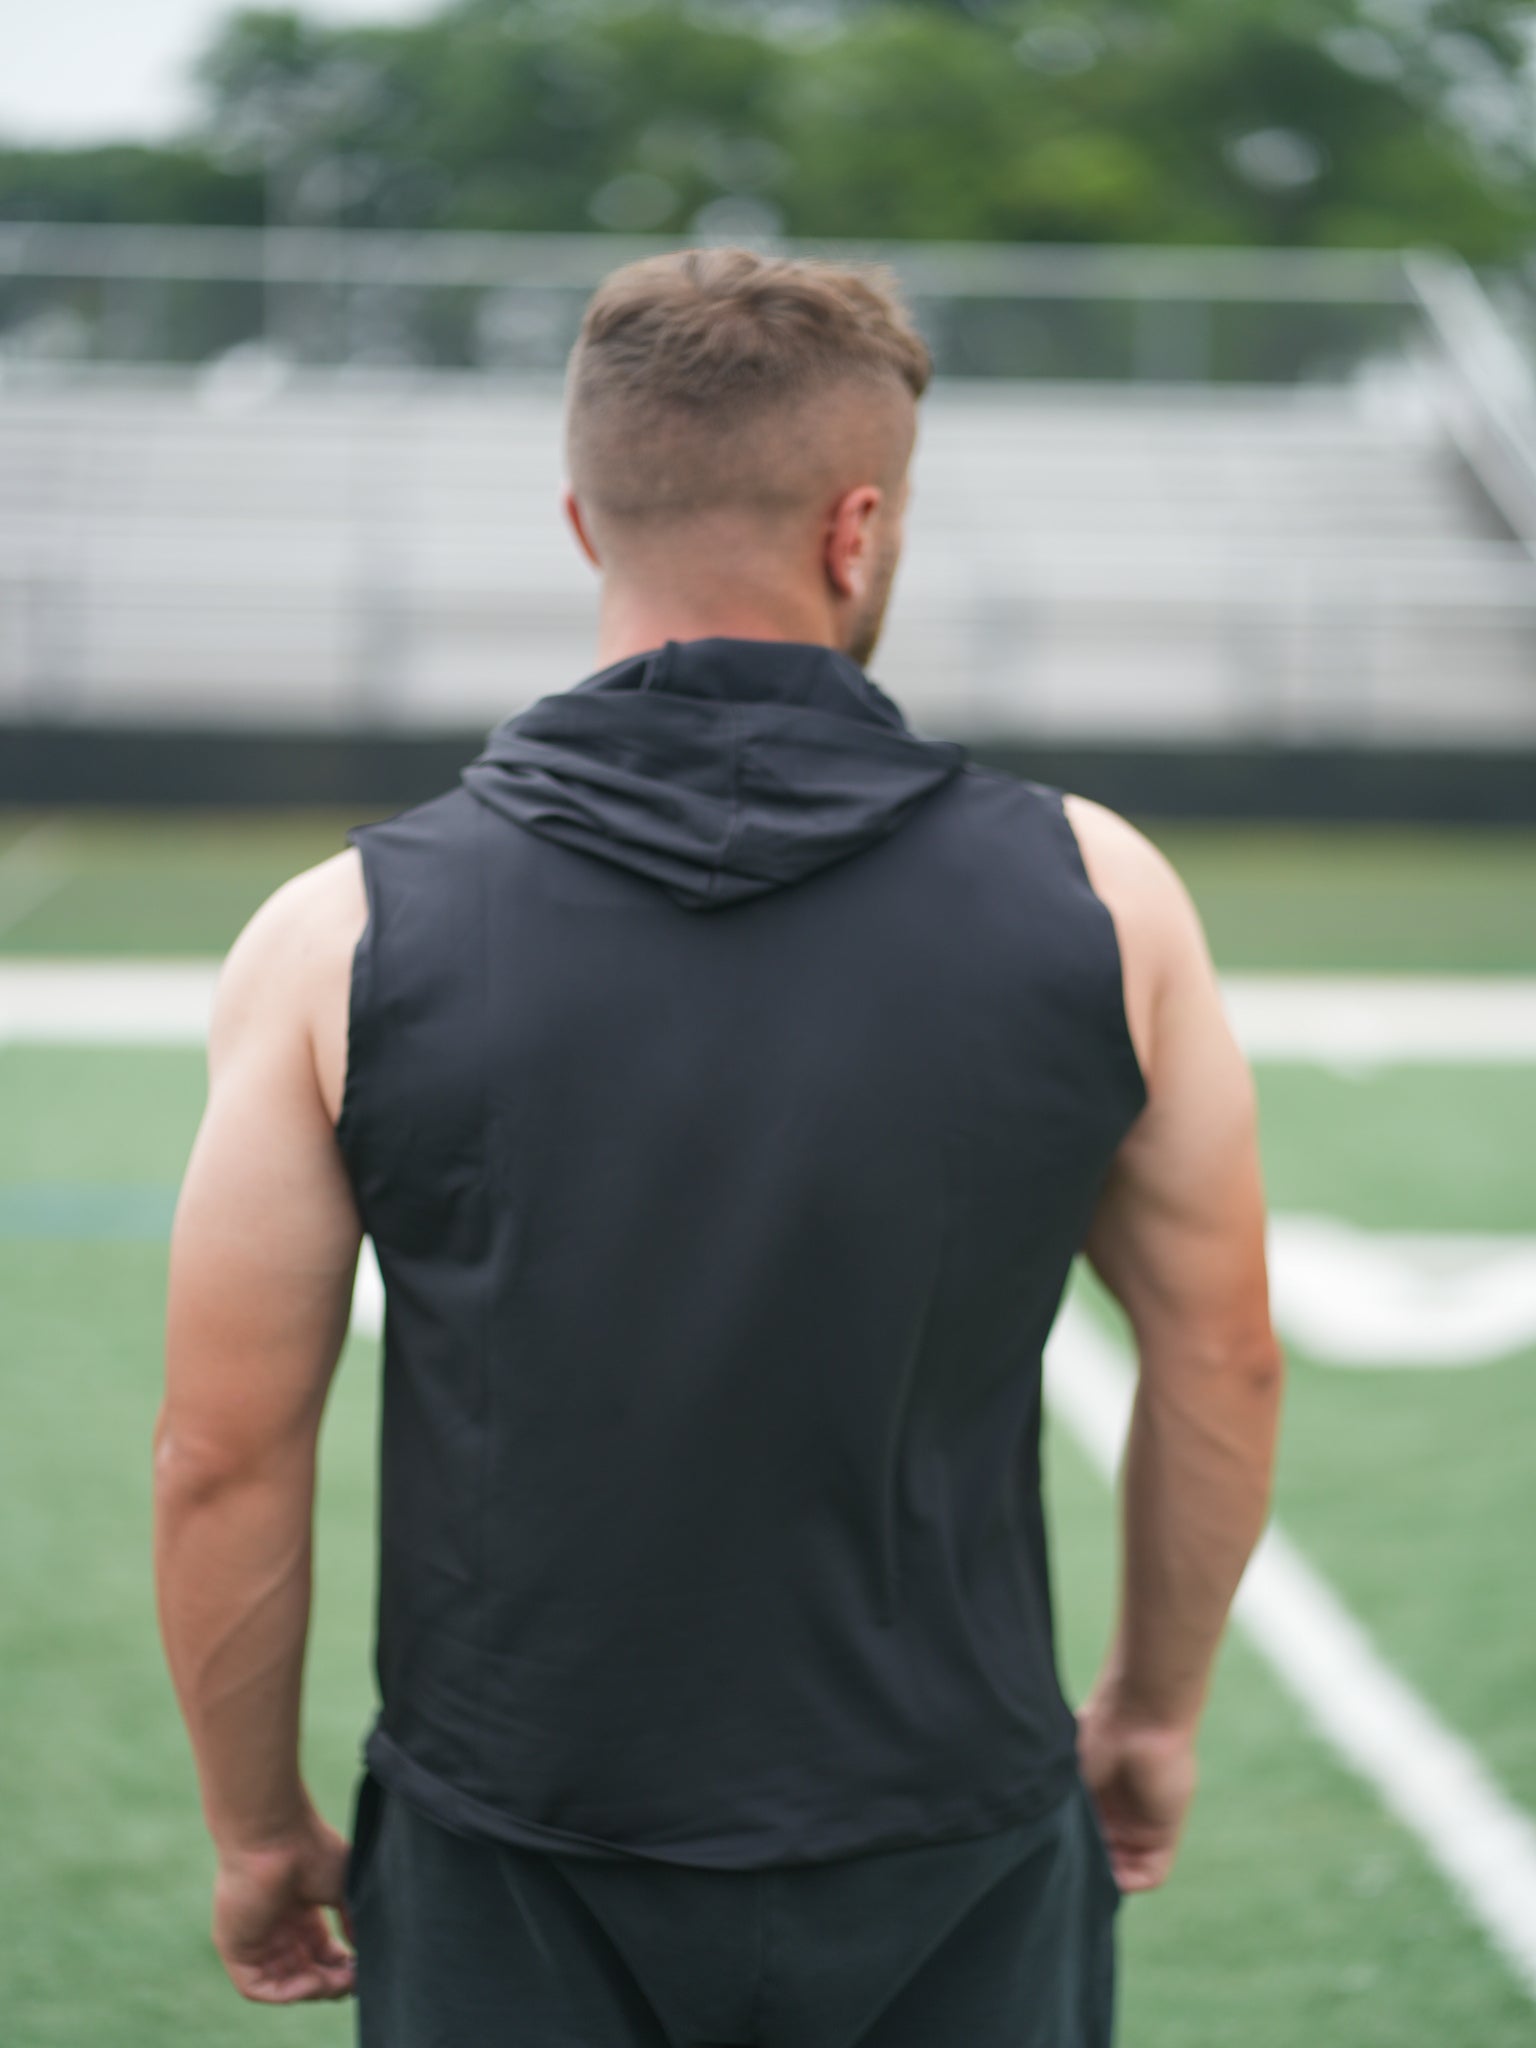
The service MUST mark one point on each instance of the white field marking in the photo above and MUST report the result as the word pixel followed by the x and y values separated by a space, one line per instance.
pixel 106 1002
pixel 29 874
pixel 367 1295
pixel 1425 1775
pixel 1392 1298
pixel 1353 1022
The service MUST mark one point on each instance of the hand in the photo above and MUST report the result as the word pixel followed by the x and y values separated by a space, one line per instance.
pixel 1142 1780
pixel 269 1919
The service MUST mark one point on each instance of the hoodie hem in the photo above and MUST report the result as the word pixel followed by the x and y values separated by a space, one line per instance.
pixel 744 1849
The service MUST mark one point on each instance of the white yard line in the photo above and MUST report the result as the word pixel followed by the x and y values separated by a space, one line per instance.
pixel 1426 1775
pixel 1362 1021
pixel 106 1002
pixel 1352 1022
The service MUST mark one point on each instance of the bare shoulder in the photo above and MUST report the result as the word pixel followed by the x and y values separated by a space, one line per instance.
pixel 1143 889
pixel 1162 943
pixel 1124 865
pixel 302 924
pixel 289 971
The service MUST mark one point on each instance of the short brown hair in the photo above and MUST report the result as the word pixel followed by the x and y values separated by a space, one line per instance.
pixel 688 367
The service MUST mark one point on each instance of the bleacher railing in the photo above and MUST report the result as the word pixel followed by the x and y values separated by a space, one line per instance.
pixel 512 302
pixel 1308 642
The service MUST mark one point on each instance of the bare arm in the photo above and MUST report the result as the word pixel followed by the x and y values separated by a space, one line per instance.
pixel 263 1251
pixel 1178 1239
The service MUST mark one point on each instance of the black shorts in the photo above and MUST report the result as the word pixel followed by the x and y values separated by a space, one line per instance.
pixel 1003 1940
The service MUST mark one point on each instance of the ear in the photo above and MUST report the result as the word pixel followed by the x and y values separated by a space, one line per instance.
pixel 578 526
pixel 846 547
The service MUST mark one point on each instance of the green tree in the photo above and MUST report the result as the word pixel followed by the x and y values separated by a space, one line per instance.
pixel 1252 121
pixel 125 182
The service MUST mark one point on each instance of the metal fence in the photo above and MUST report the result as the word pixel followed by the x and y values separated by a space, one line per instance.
pixel 308 478
pixel 512 302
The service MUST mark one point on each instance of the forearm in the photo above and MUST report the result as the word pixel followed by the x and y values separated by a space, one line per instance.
pixel 232 1574
pixel 1196 1487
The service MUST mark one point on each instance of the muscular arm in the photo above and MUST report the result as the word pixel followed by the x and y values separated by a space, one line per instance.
pixel 263 1250
pixel 1178 1239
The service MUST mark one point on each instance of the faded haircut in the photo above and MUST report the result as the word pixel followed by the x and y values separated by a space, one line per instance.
pixel 719 378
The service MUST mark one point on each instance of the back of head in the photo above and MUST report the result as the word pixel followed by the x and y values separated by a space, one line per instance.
pixel 719 382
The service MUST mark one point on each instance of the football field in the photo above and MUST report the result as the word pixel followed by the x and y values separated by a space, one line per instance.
pixel 1360 1868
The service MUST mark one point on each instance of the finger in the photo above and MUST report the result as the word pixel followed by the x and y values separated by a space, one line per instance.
pixel 345 1919
pixel 310 1989
pixel 299 1985
pixel 333 1984
pixel 339 1979
pixel 301 1960
pixel 1141 1873
pixel 318 1940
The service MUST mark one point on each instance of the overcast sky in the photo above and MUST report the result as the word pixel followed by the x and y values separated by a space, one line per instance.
pixel 103 70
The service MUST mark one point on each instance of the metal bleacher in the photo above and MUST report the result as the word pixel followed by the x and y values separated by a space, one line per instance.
pixel 256 541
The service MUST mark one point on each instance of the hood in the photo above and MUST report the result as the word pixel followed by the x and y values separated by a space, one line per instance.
pixel 718 769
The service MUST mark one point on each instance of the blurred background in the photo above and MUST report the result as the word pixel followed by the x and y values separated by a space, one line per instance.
pixel 1226 496
pixel 1225 514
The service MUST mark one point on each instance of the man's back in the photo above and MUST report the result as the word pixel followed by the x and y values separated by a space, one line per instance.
pixel 720 1241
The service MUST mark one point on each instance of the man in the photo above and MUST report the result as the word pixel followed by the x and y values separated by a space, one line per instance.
pixel 727 1077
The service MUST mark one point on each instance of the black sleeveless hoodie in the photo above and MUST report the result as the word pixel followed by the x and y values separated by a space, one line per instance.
pixel 732 1075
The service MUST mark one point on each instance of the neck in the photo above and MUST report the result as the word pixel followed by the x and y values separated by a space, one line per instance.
pixel 633 621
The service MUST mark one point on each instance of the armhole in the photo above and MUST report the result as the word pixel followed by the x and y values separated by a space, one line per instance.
pixel 1126 1045
pixel 359 988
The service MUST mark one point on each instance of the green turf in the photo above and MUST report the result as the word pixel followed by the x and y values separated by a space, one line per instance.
pixel 1361 898
pixel 108 883
pixel 1298 1907
pixel 1413 1490
pixel 1299 1913
pixel 105 1871
pixel 1339 897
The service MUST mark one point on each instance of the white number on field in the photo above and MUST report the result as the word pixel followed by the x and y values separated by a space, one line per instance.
pixel 1383 1298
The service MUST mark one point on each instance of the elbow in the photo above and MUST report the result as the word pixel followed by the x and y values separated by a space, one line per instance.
pixel 1247 1359
pixel 1253 1367
pixel 1261 1364
pixel 189 1471
pixel 196 1466
pixel 182 1480
pixel 1211 1395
